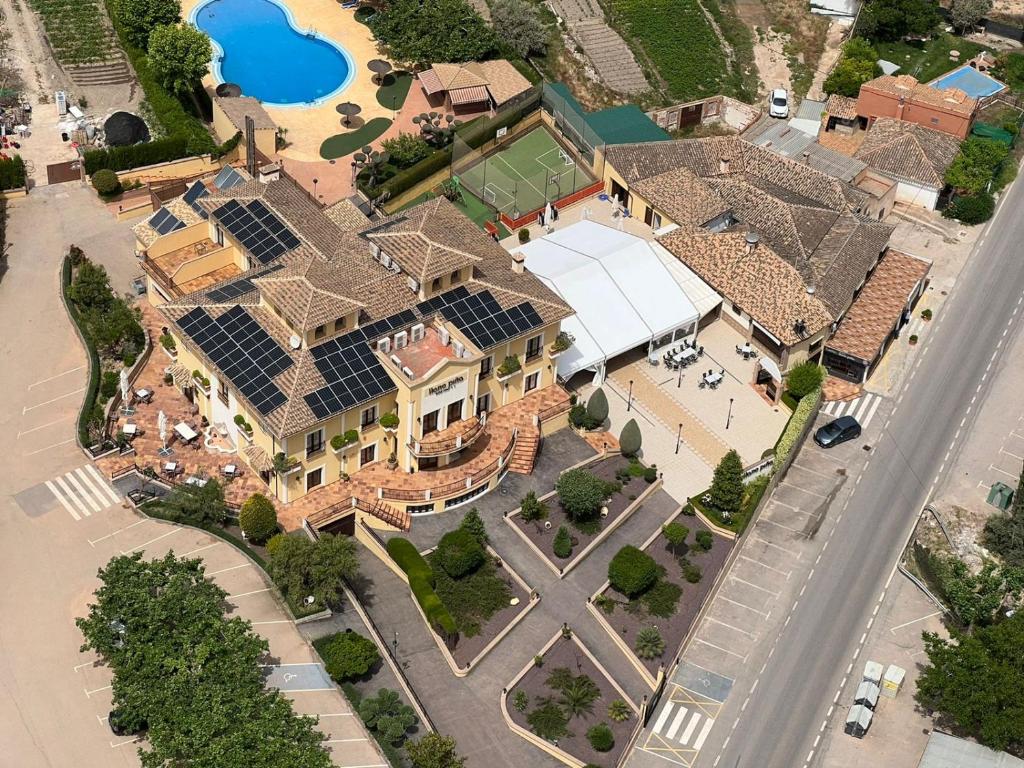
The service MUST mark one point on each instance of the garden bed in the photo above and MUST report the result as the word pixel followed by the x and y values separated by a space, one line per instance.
pixel 619 505
pixel 628 617
pixel 534 687
pixel 753 491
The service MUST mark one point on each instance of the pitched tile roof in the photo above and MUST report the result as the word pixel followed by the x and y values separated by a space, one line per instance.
pixel 909 152
pixel 907 87
pixel 758 280
pixel 683 197
pixel 841 107
pixel 499 77
pixel 237 108
pixel 871 318
pixel 346 215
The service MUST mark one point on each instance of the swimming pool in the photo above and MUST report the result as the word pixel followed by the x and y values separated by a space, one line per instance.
pixel 258 46
pixel 975 84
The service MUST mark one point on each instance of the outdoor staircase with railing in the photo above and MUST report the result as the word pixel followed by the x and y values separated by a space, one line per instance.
pixel 524 455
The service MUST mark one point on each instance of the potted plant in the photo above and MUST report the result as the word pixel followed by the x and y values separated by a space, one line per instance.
pixel 201 382
pixel 389 421
pixel 243 426
pixel 926 314
pixel 913 339
pixel 562 342
pixel 340 442
pixel 509 367
pixel 168 345
pixel 392 461
pixel 284 465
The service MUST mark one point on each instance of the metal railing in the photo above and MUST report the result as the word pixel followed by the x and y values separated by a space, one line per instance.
pixel 444 446
pixel 381 511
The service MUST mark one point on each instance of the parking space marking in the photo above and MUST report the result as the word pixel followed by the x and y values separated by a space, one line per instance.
pixel 803 490
pixel 89 693
pixel 246 594
pixel 55 376
pixel 789 506
pixel 743 605
pixel 201 549
pixel 720 648
pixel 914 621
pixel 232 568
pixel 776 546
pixel 94 542
pixel 765 519
pixel 44 426
pixel 750 584
pixel 151 541
pixel 25 409
pixel 751 635
pixel 50 447
pixel 786 574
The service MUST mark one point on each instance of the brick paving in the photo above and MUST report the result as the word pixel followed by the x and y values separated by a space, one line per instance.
pixel 838 389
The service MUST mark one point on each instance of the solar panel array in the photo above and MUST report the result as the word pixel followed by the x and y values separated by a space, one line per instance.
pixel 163 221
pixel 243 351
pixel 256 227
pixel 353 373
pixel 481 318
pixel 195 193
pixel 228 178
pixel 236 288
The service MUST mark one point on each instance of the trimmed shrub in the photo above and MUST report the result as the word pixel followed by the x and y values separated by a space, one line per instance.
pixel 134 156
pixel 650 473
pixel 601 738
pixel 12 173
pixel 689 510
pixel 581 494
pixel 597 406
pixel 727 485
pixel 691 572
pixel 437 615
pixel 562 545
pixel 531 508
pixel 409 560
pixel 524 235
pixel 460 553
pixel 258 518
pixel 675 534
pixel 630 439
pixel 805 378
pixel 795 425
pixel 704 540
pixel 472 523
pixel 348 655
pixel 649 643
pixel 661 599
pixel 632 571
pixel 105 182
pixel 971 209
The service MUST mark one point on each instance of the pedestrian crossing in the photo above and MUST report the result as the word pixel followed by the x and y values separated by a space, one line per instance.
pixel 83 491
pixel 862 408
pixel 685 725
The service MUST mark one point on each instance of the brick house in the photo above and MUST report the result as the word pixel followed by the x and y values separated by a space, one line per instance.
pixel 902 97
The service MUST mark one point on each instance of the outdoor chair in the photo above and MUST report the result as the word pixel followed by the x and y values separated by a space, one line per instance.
pixel 700 351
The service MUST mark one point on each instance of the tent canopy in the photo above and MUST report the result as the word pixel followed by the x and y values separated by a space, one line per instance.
pixel 622 293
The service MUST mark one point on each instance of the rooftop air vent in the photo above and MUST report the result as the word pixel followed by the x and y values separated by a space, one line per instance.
pixel 418 331
pixel 384 345
pixel 294 342
pixel 385 260
pixel 414 284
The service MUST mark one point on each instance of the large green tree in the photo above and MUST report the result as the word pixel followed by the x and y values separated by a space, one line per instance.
pixel 975 681
pixel 857 65
pixel 179 56
pixel 138 18
pixel 519 25
pixel 435 751
pixel 301 567
pixel 727 484
pixel 425 32
pixel 895 19
pixel 974 168
pixel 187 674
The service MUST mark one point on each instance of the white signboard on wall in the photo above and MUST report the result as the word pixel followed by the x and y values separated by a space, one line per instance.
pixel 440 395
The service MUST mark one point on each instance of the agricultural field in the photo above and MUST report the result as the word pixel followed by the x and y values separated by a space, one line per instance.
pixel 78 30
pixel 692 57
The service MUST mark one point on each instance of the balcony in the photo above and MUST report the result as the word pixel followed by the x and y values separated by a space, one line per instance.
pixel 455 437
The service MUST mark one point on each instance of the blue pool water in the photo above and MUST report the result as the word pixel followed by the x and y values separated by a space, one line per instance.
pixel 975 84
pixel 262 51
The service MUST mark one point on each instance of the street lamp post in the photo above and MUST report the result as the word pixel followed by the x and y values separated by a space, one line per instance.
pixel 315 182
pixel 394 644
pixel 679 436
pixel 629 400
pixel 729 417
pixel 679 381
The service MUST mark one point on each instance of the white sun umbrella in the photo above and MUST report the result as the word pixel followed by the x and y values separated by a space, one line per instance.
pixel 618 224
pixel 547 213
pixel 126 402
pixel 161 424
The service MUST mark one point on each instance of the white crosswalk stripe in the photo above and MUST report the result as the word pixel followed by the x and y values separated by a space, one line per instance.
pixel 684 726
pixel 862 408
pixel 82 491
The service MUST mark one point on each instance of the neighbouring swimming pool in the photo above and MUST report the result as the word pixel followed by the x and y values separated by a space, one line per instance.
pixel 262 51
pixel 975 84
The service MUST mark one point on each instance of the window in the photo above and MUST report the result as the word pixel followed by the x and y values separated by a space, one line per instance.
pixel 430 423
pixel 454 279
pixel 339 324
pixel 935 121
pixel 222 391
pixel 486 366
pixel 218 235
pixel 320 331
pixel 656 221
pixel 368 455
pixel 813 350
pixel 483 404
pixel 314 478
pixel 435 284
pixel 532 381
pixel 427 462
pixel 533 348
pixel 368 417
pixel 314 442
pixel 454 411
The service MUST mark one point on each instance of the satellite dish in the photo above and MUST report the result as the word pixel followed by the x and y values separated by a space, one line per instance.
pixel 309 600
pixel 295 342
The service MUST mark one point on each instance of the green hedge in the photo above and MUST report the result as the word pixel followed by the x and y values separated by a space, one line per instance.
pixel 409 560
pixel 12 173
pixel 93 387
pixel 136 155
pixel 421 582
pixel 795 425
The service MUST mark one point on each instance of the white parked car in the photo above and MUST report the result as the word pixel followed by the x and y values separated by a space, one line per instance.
pixel 778 103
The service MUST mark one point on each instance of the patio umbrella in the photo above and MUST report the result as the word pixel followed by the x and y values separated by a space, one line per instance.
pixel 349 110
pixel 379 67
pixel 161 424
pixel 125 393
pixel 547 213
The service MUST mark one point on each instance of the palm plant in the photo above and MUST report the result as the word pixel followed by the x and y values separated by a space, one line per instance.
pixel 578 696
pixel 649 643
pixel 619 711
pixel 548 720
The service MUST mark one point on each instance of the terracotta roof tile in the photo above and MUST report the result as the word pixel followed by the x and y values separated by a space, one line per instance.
pixel 841 107
pixel 909 152
pixel 907 87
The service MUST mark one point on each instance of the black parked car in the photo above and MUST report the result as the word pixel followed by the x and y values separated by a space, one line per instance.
pixel 838 431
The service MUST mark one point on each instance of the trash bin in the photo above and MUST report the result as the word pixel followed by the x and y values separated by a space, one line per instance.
pixel 1000 496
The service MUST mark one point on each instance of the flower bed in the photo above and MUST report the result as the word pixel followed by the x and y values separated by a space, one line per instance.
pixel 565 656
pixel 627 617
pixel 543 536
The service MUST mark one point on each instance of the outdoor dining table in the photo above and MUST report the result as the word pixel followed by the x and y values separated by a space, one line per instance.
pixel 229 470
pixel 171 467
pixel 197 481
pixel 143 395
pixel 185 432
pixel 687 354
pixel 713 379
pixel 130 429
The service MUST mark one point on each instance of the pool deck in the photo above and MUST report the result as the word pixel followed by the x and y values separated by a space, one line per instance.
pixel 309 126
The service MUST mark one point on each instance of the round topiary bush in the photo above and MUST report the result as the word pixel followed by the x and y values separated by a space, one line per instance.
pixel 460 553
pixel 348 655
pixel 258 518
pixel 524 235
pixel 581 494
pixel 105 182
pixel 601 738
pixel 632 571
pixel 630 438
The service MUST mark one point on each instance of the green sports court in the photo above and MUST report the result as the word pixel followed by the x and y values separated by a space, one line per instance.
pixel 524 174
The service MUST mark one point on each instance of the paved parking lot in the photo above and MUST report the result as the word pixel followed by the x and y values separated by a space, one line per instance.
pixel 290 666
pixel 754 600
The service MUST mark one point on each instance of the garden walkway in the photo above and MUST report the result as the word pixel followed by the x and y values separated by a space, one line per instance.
pixel 468 708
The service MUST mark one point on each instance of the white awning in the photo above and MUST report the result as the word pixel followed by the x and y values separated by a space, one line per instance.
pixel 769 365
pixel 623 294
pixel 703 296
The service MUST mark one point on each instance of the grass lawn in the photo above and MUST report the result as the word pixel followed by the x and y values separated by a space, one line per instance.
pixel 392 93
pixel 928 60
pixel 346 143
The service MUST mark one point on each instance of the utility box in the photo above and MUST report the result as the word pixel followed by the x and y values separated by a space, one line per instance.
pixel 1000 495
pixel 867 694
pixel 893 681
pixel 61 100
pixel 858 720
pixel 873 672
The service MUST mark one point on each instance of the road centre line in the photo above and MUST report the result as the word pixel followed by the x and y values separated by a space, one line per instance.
pixel 55 376
pixel 27 408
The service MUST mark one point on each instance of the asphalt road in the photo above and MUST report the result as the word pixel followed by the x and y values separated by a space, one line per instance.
pixel 779 725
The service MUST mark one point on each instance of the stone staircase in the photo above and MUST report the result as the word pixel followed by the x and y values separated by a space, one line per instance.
pixel 525 453
pixel 609 54
pixel 576 10
pixel 111 72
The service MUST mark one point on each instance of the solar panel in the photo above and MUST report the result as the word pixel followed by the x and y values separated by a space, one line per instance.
pixel 243 351
pixel 257 229
pixel 233 290
pixel 481 318
pixel 195 193
pixel 352 372
pixel 163 221
pixel 228 178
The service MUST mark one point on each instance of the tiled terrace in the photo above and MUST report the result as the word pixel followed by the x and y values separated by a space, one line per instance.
pixel 223 273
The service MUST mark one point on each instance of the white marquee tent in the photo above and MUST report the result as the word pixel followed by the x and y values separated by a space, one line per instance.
pixel 622 292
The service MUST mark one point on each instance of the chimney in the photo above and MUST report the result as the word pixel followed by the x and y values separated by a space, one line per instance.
pixel 752 239
pixel 723 165
pixel 518 263
pixel 807 157
pixel 250 145
pixel 269 172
